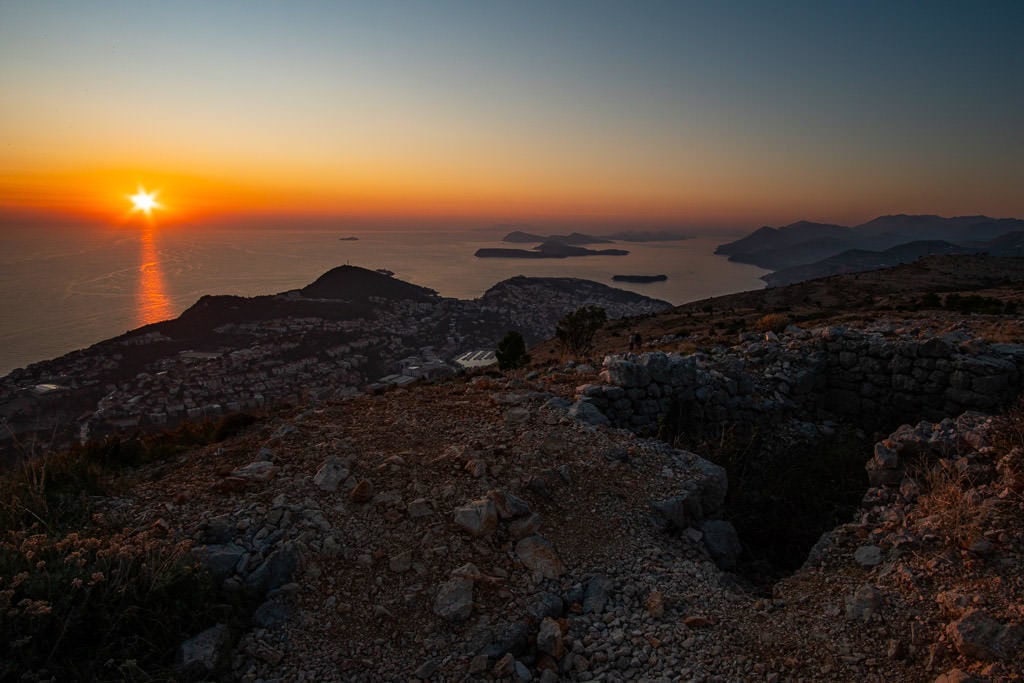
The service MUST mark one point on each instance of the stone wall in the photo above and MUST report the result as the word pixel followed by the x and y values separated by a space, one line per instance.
pixel 876 380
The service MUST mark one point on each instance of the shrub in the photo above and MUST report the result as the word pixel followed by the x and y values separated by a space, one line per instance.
pixel 79 598
pixel 772 322
pixel 974 303
pixel 511 352
pixel 576 331
pixel 83 606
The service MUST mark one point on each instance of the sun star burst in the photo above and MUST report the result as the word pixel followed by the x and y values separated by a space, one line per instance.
pixel 144 201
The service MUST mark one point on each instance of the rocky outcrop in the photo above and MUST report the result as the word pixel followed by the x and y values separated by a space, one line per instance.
pixel 831 372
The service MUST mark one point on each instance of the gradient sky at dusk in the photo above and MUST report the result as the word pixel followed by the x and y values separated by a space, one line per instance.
pixel 713 113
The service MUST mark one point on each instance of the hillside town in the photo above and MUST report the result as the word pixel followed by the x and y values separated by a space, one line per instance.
pixel 162 374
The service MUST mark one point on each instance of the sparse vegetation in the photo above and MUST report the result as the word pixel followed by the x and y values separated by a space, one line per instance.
pixel 576 331
pixel 511 351
pixel 974 303
pixel 772 322
pixel 948 504
pixel 83 596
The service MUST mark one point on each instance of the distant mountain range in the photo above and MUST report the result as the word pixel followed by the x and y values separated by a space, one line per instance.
pixel 805 250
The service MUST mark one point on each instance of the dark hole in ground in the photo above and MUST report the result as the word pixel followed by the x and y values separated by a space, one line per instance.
pixel 786 486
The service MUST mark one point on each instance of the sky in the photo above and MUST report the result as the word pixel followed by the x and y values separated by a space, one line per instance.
pixel 469 113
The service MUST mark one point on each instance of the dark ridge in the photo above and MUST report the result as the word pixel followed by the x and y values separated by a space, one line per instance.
pixel 354 283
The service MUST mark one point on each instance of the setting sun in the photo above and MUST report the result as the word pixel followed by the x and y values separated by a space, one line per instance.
pixel 144 201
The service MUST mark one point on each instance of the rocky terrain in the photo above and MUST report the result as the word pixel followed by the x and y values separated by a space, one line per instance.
pixel 332 338
pixel 910 296
pixel 526 526
pixel 501 539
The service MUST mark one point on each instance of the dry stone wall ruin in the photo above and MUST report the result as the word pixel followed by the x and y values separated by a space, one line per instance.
pixel 873 379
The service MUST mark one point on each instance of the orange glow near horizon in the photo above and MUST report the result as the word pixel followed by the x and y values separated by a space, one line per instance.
pixel 152 303
pixel 144 202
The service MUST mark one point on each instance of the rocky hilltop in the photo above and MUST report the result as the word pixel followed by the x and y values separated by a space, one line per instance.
pixel 834 493
pixel 344 331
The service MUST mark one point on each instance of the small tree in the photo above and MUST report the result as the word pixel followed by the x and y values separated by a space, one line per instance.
pixel 511 352
pixel 575 332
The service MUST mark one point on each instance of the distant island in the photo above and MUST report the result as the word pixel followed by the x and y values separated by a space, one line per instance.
pixel 548 249
pixel 348 239
pixel 639 278
pixel 520 237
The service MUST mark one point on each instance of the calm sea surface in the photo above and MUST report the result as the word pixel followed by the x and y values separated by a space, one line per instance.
pixel 64 289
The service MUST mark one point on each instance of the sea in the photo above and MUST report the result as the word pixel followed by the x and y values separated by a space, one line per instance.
pixel 69 287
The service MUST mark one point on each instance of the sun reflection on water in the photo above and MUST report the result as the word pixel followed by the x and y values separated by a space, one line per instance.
pixel 152 303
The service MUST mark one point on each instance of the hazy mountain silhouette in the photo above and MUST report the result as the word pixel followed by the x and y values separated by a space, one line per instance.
pixel 805 242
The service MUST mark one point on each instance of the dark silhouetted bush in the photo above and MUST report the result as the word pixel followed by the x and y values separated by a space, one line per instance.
pixel 576 331
pixel 511 352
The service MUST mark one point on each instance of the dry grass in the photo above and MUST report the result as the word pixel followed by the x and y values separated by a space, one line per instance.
pixel 81 597
pixel 949 504
pixel 772 322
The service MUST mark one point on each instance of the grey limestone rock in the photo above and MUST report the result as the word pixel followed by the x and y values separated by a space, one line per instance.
pixel 588 413
pixel 722 542
pixel 868 556
pixel 477 518
pixel 203 653
pixel 331 474
pixel 454 600
pixel 865 602
pixel 595 597
pixel 220 560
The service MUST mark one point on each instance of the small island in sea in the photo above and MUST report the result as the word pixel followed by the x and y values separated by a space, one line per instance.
pixel 549 249
pixel 639 278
